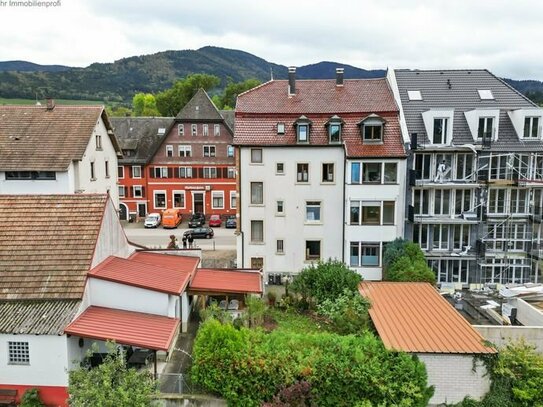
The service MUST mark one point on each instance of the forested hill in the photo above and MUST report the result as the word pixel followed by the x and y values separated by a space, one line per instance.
pixel 120 80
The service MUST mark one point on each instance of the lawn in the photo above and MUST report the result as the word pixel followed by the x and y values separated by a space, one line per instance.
pixel 293 321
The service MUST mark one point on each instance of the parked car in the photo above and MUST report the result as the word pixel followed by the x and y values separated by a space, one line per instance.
pixel 215 221
pixel 152 220
pixel 200 233
pixel 231 222
pixel 196 220
pixel 171 218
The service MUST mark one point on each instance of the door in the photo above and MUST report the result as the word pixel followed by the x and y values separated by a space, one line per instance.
pixel 142 210
pixel 123 212
pixel 198 202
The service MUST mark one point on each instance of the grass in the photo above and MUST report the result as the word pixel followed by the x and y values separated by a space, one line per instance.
pixel 292 321
pixel 5 101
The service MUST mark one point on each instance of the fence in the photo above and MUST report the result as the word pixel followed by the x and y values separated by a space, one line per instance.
pixel 178 383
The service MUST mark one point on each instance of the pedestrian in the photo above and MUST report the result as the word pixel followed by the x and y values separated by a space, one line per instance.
pixel 184 240
pixel 441 172
pixel 191 239
pixel 173 243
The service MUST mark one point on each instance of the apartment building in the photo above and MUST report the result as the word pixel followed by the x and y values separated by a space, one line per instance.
pixel 474 190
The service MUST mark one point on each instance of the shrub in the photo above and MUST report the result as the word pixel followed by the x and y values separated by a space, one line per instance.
pixel 408 269
pixel 255 310
pixel 213 311
pixel 295 395
pixel 31 398
pixel 348 313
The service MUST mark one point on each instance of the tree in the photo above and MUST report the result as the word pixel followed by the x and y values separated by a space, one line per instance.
pixel 227 100
pixel 144 104
pixel 171 101
pixel 404 260
pixel 348 313
pixel 118 111
pixel 110 384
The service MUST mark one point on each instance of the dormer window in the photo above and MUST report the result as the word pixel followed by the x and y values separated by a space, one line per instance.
pixel 371 128
pixel 302 129
pixel 438 124
pixel 531 127
pixel 485 129
pixel 440 131
pixel 483 124
pixel 334 129
pixel 281 128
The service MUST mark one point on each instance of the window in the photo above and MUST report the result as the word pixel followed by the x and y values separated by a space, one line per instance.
pixel 184 151
pixel 390 173
pixel 185 172
pixel 257 231
pixel 334 132
pixel 280 246
pixel 160 200
pixel 355 213
pixel 462 202
pixel 98 142
pixel 531 127
pixel 328 172
pixel 280 128
pixel 312 249
pixel 18 353
pixel 371 173
pixel 231 172
pixel 420 235
pixel 442 202
pixel 136 171
pixel 518 201
pixel 233 199
pixel 230 151
pixel 302 172
pixel 389 208
pixel 217 130
pixel 464 167
pixel 217 199
pixel 373 132
pixel 31 175
pixel 205 129
pixel 137 191
pixel 120 172
pixel 169 151
pixel 194 130
pixel 440 131
pixel 121 191
pixel 371 213
pixel 421 199
pixel 92 174
pixel 302 132
pixel 210 172
pixel 161 172
pixel 460 236
pixel 422 166
pixel 496 200
pixel 209 151
pixel 178 199
pixel 313 211
pixel 161 131
pixel 370 254
pixel 257 193
pixel 355 173
pixel 256 155
pixel 441 237
pixel 280 207
pixel 485 94
pixel 484 131
pixel 414 95
pixel 354 254
pixel 106 168
pixel 280 168
pixel 181 129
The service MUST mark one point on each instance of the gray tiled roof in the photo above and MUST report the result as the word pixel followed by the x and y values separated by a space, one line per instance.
pixel 139 134
pixel 462 96
pixel 37 317
pixel 200 107
pixel 229 118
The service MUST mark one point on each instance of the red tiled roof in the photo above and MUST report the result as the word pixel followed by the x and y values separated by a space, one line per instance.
pixel 125 327
pixel 143 275
pixel 178 263
pixel 414 317
pixel 318 96
pixel 228 281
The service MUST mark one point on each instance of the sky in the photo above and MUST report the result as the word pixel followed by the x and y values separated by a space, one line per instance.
pixel 505 37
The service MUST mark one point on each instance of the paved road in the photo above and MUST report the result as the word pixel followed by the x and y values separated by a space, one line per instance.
pixel 224 239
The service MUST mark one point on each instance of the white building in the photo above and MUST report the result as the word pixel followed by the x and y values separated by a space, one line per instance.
pixel 57 150
pixel 296 140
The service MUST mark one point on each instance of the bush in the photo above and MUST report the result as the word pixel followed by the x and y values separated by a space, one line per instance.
pixel 31 398
pixel 215 312
pixel 404 260
pixel 295 395
pixel 348 313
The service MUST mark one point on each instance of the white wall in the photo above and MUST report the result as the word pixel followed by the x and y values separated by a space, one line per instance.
pixel 61 185
pixel 48 361
pixel 527 314
pixel 291 227
pixel 501 335
pixel 453 377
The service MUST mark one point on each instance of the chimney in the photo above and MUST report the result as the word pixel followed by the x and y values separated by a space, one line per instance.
pixel 50 103
pixel 291 80
pixel 339 76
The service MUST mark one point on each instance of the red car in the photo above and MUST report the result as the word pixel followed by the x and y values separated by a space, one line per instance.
pixel 215 221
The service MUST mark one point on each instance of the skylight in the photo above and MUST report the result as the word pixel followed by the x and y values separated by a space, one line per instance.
pixel 485 94
pixel 414 95
pixel 161 130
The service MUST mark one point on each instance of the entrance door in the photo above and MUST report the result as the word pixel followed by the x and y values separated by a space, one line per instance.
pixel 198 202
pixel 123 212
pixel 142 210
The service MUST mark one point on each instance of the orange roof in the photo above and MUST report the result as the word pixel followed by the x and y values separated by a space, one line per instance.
pixel 143 275
pixel 125 327
pixel 178 263
pixel 227 281
pixel 414 317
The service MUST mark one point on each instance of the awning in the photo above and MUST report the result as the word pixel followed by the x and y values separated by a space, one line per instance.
pixel 125 327
pixel 218 281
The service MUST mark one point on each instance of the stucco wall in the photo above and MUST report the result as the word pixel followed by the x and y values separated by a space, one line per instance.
pixel 61 185
pixel 501 335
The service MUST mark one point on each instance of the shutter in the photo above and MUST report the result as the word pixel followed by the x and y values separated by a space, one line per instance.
pixel 151 172
pixel 143 192
pixel 130 172
pixel 170 172
pixel 225 172
pixel 200 173
pixel 127 192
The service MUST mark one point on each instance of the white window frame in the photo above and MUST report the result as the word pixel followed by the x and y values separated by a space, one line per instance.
pixel 424 205
pixel 310 205
pixel 441 209
pixel 531 120
pixel 162 172
pixel 186 170
pixel 123 193
pixel 217 130
pixel 99 142
pixel 280 207
pixel 443 238
pixel 280 246
pixel 205 130
pixel 180 129
pixel 277 172
pixel 252 240
pixel 209 171
pixel 327 181
pixel 253 152
pixel 184 199
pixel 253 190
pixel 230 151
pixel 134 171
pixel 330 127
pixel 486 120
pixel 280 128
pixel 169 150
pixel 185 149
pixel 106 168
pixel 302 179
pixel 231 173
pixel 211 150
pixel 444 128
pixel 194 130
pixel 161 192
pixel 233 199
pixel 137 188
pixel 423 235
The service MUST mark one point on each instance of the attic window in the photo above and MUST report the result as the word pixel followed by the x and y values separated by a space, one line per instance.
pixel 303 125
pixel 485 94
pixel 280 128
pixel 414 95
pixel 334 129
pixel 161 131
pixel 371 129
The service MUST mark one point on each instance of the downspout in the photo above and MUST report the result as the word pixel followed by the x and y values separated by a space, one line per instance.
pixel 239 206
pixel 344 203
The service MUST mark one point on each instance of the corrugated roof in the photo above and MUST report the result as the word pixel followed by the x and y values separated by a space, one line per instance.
pixel 227 280
pixel 462 96
pixel 47 244
pixel 125 327
pixel 144 275
pixel 200 107
pixel 38 317
pixel 413 317
pixel 62 135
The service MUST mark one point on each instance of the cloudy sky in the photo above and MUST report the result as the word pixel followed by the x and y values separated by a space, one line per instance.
pixel 503 36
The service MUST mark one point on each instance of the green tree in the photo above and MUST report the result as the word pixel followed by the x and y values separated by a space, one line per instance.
pixel 171 101
pixel 110 384
pixel 325 280
pixel 118 111
pixel 404 260
pixel 144 104
pixel 227 101
pixel 348 313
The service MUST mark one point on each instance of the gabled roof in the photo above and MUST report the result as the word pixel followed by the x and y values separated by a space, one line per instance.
pixel 462 95
pixel 227 281
pixel 199 108
pixel 413 317
pixel 37 317
pixel 33 138
pixel 145 275
pixel 177 263
pixel 47 244
pixel 125 327
pixel 140 134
